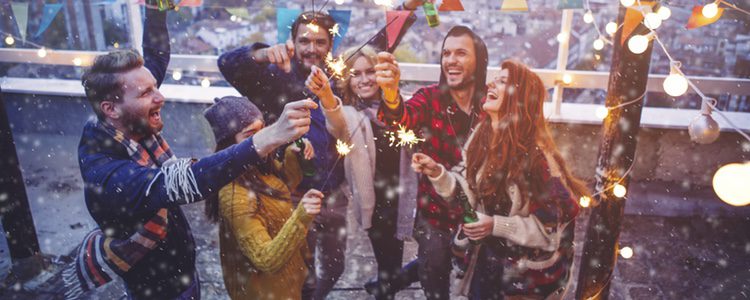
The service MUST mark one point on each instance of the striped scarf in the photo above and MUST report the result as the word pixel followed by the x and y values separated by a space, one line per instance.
pixel 100 258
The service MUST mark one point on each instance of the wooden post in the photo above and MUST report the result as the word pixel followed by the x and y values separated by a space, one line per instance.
pixel 627 82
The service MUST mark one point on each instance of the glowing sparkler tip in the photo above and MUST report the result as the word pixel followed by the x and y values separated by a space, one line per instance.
pixel 313 27
pixel 335 30
pixel 336 65
pixel 403 137
pixel 343 148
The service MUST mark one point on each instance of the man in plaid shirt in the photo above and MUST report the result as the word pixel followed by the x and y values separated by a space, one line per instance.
pixel 444 115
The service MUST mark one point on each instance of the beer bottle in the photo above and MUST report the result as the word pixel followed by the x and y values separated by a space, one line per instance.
pixel 162 4
pixel 431 13
pixel 307 166
pixel 470 215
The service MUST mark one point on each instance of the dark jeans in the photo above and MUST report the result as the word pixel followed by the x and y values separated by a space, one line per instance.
pixel 193 292
pixel 387 248
pixel 487 281
pixel 433 261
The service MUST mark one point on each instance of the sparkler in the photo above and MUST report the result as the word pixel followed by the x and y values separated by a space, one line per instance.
pixel 403 137
pixel 343 148
pixel 335 30
pixel 336 65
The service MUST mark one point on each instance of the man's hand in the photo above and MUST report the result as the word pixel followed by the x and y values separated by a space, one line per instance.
pixel 388 76
pixel 414 4
pixel 479 229
pixel 421 163
pixel 318 83
pixel 309 151
pixel 311 202
pixel 280 55
pixel 293 122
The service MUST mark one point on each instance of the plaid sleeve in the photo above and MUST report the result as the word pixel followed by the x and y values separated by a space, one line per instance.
pixel 409 113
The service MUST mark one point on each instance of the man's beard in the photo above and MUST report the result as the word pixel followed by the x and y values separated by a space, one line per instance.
pixel 140 126
pixel 464 84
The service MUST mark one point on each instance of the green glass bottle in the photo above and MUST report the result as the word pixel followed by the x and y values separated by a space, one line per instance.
pixel 431 13
pixel 307 166
pixel 163 4
pixel 470 215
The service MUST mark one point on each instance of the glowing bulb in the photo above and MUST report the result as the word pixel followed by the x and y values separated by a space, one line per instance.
pixel 233 18
pixel 41 52
pixel 675 84
pixel 567 78
pixel 77 61
pixel 611 28
pixel 652 20
pixel 731 184
pixel 10 40
pixel 619 190
pixel 562 37
pixel 627 3
pixel 664 12
pixel 205 83
pixel 626 252
pixel 599 44
pixel 585 201
pixel 710 10
pixel 601 112
pixel 588 17
pixel 638 44
pixel 116 45
pixel 177 74
pixel 339 2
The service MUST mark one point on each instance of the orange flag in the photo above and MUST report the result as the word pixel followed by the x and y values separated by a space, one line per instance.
pixel 190 3
pixel 395 20
pixel 697 19
pixel 633 18
pixel 451 5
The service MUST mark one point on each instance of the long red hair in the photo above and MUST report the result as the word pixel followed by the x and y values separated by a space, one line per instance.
pixel 514 153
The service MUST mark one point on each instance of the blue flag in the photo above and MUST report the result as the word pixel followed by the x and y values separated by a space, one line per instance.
pixel 570 4
pixel 342 18
pixel 48 14
pixel 284 19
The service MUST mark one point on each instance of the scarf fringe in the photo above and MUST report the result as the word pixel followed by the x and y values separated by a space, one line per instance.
pixel 179 181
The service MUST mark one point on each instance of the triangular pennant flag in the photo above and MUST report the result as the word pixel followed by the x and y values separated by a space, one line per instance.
pixel 514 5
pixel 21 14
pixel 190 3
pixel 570 4
pixel 49 12
pixel 634 17
pixel 284 19
pixel 240 12
pixel 697 19
pixel 451 5
pixel 395 20
pixel 342 18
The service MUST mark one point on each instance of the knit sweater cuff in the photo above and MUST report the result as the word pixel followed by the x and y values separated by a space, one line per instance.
pixel 302 215
pixel 444 183
pixel 504 227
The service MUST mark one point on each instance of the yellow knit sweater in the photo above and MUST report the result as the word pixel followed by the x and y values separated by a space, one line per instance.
pixel 263 239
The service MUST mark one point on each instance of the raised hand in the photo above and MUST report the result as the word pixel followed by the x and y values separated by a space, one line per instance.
pixel 423 164
pixel 280 55
pixel 318 83
pixel 388 76
pixel 293 122
pixel 311 202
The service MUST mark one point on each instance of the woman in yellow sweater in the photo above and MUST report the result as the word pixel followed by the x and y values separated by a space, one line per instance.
pixel 262 236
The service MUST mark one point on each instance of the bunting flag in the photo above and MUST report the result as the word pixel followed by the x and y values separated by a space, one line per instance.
pixel 190 3
pixel 698 20
pixel 21 14
pixel 49 12
pixel 451 5
pixel 396 19
pixel 284 19
pixel 570 4
pixel 633 18
pixel 514 6
pixel 342 18
pixel 240 12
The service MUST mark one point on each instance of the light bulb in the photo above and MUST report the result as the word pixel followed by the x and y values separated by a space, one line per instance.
pixel 562 37
pixel 652 21
pixel 205 83
pixel 627 3
pixel 703 129
pixel 77 61
pixel 664 12
pixel 233 18
pixel 601 112
pixel 116 45
pixel 611 28
pixel 731 184
pixel 567 79
pixel 619 190
pixel 675 84
pixel 339 2
pixel 598 44
pixel 177 74
pixel 41 52
pixel 585 201
pixel 638 44
pixel 710 10
pixel 588 17
pixel 626 252
pixel 10 40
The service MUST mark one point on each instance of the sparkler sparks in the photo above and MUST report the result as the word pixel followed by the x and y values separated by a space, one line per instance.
pixel 335 30
pixel 343 148
pixel 403 137
pixel 336 65
pixel 313 27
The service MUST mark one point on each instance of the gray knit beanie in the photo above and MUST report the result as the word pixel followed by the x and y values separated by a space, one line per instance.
pixel 230 115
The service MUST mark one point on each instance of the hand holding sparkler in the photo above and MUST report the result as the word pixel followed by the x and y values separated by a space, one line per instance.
pixel 318 83
pixel 423 164
pixel 280 55
pixel 388 76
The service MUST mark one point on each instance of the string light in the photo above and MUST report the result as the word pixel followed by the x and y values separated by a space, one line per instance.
pixel 233 18
pixel 339 2
pixel 601 112
pixel 343 148
pixel 652 20
pixel 562 37
pixel 177 74
pixel 42 52
pixel 626 252
pixel 77 61
pixel 611 28
pixel 205 83
pixel 710 10
pixel 588 17
pixel 598 44
pixel 731 183
pixel 567 78
pixel 638 43
pixel 675 84
pixel 619 190
pixel 116 45
pixel 10 40
pixel 664 12
pixel 584 201
pixel 627 3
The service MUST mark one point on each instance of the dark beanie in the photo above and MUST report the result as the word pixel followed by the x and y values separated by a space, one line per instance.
pixel 229 115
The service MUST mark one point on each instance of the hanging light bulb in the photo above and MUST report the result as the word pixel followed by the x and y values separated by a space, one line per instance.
pixel 567 78
pixel 10 40
pixel 619 190
pixel 584 201
pixel 177 74
pixel 77 61
pixel 652 20
pixel 611 28
pixel 664 12
pixel 562 37
pixel 339 2
pixel 588 17
pixel 598 44
pixel 730 183
pixel 675 84
pixel 627 3
pixel 205 83
pixel 42 52
pixel 710 10
pixel 601 112
pixel 639 43
pixel 626 252
pixel 703 129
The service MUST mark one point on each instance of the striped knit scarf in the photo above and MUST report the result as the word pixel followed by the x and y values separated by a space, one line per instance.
pixel 100 258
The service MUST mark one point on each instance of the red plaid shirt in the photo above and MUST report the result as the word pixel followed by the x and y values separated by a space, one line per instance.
pixel 445 128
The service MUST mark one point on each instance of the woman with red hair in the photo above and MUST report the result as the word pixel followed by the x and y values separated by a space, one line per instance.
pixel 522 190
